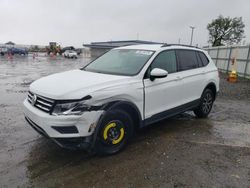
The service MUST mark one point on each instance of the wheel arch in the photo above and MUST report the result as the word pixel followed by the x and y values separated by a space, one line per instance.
pixel 213 88
pixel 128 107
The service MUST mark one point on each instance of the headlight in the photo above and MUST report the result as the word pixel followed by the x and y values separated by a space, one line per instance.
pixel 70 108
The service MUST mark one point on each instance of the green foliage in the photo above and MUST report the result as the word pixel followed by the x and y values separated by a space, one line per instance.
pixel 226 30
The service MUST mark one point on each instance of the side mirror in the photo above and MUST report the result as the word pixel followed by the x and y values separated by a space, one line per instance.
pixel 158 73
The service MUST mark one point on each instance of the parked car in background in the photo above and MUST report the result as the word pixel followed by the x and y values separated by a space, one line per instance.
pixel 3 51
pixel 63 50
pixel 70 54
pixel 101 105
pixel 78 51
pixel 19 51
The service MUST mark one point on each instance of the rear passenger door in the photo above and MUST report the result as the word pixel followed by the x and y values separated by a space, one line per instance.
pixel 192 75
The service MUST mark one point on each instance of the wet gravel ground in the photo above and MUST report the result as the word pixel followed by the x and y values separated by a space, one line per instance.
pixel 179 152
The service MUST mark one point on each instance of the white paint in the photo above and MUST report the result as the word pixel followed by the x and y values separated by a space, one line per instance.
pixel 160 95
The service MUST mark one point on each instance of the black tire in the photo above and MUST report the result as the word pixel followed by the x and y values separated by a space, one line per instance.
pixel 110 139
pixel 206 104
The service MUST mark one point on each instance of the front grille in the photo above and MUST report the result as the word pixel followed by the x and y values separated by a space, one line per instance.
pixel 40 102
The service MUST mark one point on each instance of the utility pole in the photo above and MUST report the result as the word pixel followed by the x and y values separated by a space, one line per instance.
pixel 192 33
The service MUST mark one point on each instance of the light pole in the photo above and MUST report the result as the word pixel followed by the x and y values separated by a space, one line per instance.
pixel 192 33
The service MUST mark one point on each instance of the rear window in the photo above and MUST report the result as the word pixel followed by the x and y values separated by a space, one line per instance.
pixel 203 58
pixel 187 59
pixel 199 60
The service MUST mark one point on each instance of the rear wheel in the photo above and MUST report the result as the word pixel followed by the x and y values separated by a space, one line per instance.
pixel 114 132
pixel 206 104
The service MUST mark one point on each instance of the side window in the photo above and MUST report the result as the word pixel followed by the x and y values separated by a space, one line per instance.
pixel 165 60
pixel 203 58
pixel 187 59
pixel 199 60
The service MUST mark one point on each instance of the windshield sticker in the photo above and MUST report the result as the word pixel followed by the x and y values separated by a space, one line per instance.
pixel 143 52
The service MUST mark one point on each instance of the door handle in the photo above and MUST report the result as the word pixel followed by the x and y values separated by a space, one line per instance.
pixel 203 72
pixel 178 78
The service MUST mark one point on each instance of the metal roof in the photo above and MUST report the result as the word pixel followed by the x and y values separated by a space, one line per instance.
pixel 115 44
pixel 10 43
pixel 153 47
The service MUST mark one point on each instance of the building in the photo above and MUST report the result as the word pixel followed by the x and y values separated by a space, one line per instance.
pixel 96 49
pixel 9 44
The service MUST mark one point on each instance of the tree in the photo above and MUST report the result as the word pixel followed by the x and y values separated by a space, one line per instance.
pixel 225 30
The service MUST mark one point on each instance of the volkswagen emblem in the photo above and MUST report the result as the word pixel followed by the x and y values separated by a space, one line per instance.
pixel 33 99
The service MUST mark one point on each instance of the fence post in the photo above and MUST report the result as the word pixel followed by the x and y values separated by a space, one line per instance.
pixel 229 58
pixel 217 56
pixel 208 51
pixel 247 62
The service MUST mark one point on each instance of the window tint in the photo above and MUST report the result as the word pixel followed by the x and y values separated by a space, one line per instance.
pixel 165 60
pixel 187 59
pixel 199 60
pixel 203 58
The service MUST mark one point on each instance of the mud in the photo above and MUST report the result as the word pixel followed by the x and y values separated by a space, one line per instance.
pixel 180 152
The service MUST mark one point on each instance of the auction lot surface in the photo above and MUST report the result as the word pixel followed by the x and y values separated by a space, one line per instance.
pixel 180 152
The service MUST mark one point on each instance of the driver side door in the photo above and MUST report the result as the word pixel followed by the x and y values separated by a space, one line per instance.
pixel 164 93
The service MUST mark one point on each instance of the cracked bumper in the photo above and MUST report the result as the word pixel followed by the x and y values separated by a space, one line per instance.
pixel 61 128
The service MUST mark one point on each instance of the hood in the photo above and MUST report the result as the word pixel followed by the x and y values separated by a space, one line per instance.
pixel 73 84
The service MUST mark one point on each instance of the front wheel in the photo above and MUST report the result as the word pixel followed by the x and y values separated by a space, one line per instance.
pixel 114 132
pixel 206 104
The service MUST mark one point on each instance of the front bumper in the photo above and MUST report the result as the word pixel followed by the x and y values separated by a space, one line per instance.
pixel 67 143
pixel 62 128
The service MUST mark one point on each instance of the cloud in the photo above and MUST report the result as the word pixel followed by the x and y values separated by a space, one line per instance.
pixel 77 21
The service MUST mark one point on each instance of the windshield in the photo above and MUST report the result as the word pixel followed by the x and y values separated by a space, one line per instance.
pixel 120 62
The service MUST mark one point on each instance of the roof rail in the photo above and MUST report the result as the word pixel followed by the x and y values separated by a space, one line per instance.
pixel 166 45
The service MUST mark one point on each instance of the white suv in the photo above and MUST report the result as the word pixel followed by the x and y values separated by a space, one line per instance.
pixel 100 105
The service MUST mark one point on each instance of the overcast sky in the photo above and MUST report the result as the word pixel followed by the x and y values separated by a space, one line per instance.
pixel 74 22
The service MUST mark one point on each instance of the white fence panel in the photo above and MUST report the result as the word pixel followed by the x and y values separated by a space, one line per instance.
pixel 223 56
pixel 213 53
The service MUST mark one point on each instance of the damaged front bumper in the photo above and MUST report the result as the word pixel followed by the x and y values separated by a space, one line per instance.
pixel 67 143
pixel 71 132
